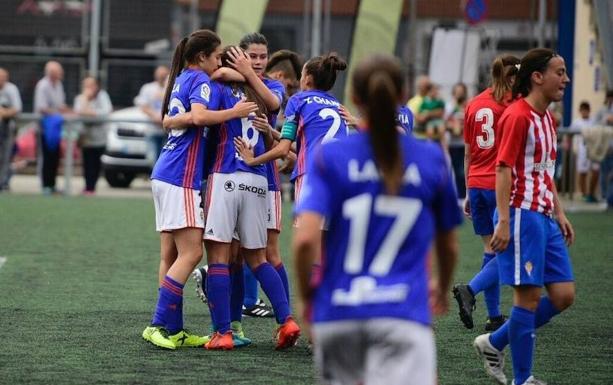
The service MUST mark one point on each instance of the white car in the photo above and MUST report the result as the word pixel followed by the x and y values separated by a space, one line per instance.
pixel 128 149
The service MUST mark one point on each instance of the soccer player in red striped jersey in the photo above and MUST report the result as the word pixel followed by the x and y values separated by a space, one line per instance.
pixel 532 232
pixel 480 136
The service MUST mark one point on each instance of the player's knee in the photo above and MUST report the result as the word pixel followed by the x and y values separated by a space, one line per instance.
pixel 563 300
pixel 272 255
pixel 193 257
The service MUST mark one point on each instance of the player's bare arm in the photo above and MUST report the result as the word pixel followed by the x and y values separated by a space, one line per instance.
pixel 502 235
pixel 565 226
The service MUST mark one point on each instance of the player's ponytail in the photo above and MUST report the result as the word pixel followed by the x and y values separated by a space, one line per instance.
pixel 323 69
pixel 177 65
pixel 504 70
pixel 202 41
pixel 378 86
pixel 535 60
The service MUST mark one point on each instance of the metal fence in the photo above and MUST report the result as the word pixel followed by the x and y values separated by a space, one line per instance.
pixel 70 134
pixel 566 177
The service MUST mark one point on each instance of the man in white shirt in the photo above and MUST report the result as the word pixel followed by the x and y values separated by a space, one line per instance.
pixel 10 106
pixel 49 100
pixel 150 99
pixel 584 164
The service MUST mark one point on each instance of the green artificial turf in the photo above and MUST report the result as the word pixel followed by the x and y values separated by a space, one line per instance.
pixel 80 282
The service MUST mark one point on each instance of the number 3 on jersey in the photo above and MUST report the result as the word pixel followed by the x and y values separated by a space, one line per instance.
pixel 358 210
pixel 486 139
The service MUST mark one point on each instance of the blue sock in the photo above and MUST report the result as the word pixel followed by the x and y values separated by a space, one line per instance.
pixel 487 276
pixel 492 294
pixel 273 287
pixel 251 289
pixel 169 308
pixel 283 275
pixel 544 312
pixel 218 285
pixel 521 339
pixel 237 294
pixel 500 338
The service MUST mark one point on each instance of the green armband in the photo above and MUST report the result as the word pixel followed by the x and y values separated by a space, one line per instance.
pixel 289 131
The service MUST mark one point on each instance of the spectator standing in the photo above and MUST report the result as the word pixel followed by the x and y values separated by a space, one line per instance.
pixel 454 122
pixel 584 164
pixel 92 102
pixel 605 118
pixel 10 106
pixel 150 99
pixel 50 101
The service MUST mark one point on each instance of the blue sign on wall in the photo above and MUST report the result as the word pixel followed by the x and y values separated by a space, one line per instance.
pixel 475 11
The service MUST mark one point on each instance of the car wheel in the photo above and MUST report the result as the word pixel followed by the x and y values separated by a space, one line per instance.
pixel 118 179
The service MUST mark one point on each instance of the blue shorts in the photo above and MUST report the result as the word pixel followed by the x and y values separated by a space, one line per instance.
pixel 537 254
pixel 482 206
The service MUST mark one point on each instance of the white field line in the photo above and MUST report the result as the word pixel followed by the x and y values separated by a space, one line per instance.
pixel 2 261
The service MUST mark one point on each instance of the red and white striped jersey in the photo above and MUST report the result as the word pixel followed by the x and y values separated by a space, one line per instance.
pixel 528 146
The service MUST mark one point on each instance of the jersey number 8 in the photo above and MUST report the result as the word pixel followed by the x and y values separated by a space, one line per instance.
pixel 247 127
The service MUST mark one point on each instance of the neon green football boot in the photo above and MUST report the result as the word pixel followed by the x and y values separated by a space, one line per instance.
pixel 158 336
pixel 186 339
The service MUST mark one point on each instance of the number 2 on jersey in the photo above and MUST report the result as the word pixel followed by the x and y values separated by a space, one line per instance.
pixel 358 210
pixel 486 140
pixel 336 123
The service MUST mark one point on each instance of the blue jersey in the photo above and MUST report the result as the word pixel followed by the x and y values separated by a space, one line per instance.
pixel 405 119
pixel 272 173
pixel 182 158
pixel 375 249
pixel 227 159
pixel 311 118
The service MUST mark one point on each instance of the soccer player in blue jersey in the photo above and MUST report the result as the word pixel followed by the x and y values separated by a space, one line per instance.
pixel 312 117
pixel 176 179
pixel 386 197
pixel 236 201
pixel 255 46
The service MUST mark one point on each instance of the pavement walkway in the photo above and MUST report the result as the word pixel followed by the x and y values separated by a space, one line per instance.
pixel 141 188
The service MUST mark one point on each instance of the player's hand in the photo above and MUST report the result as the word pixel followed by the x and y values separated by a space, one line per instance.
pixel 567 229
pixel 240 61
pixel 261 124
pixel 501 237
pixel 287 166
pixel 243 108
pixel 350 120
pixel 467 208
pixel 244 149
pixel 439 302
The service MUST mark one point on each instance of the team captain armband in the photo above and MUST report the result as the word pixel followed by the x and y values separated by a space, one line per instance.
pixel 289 131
